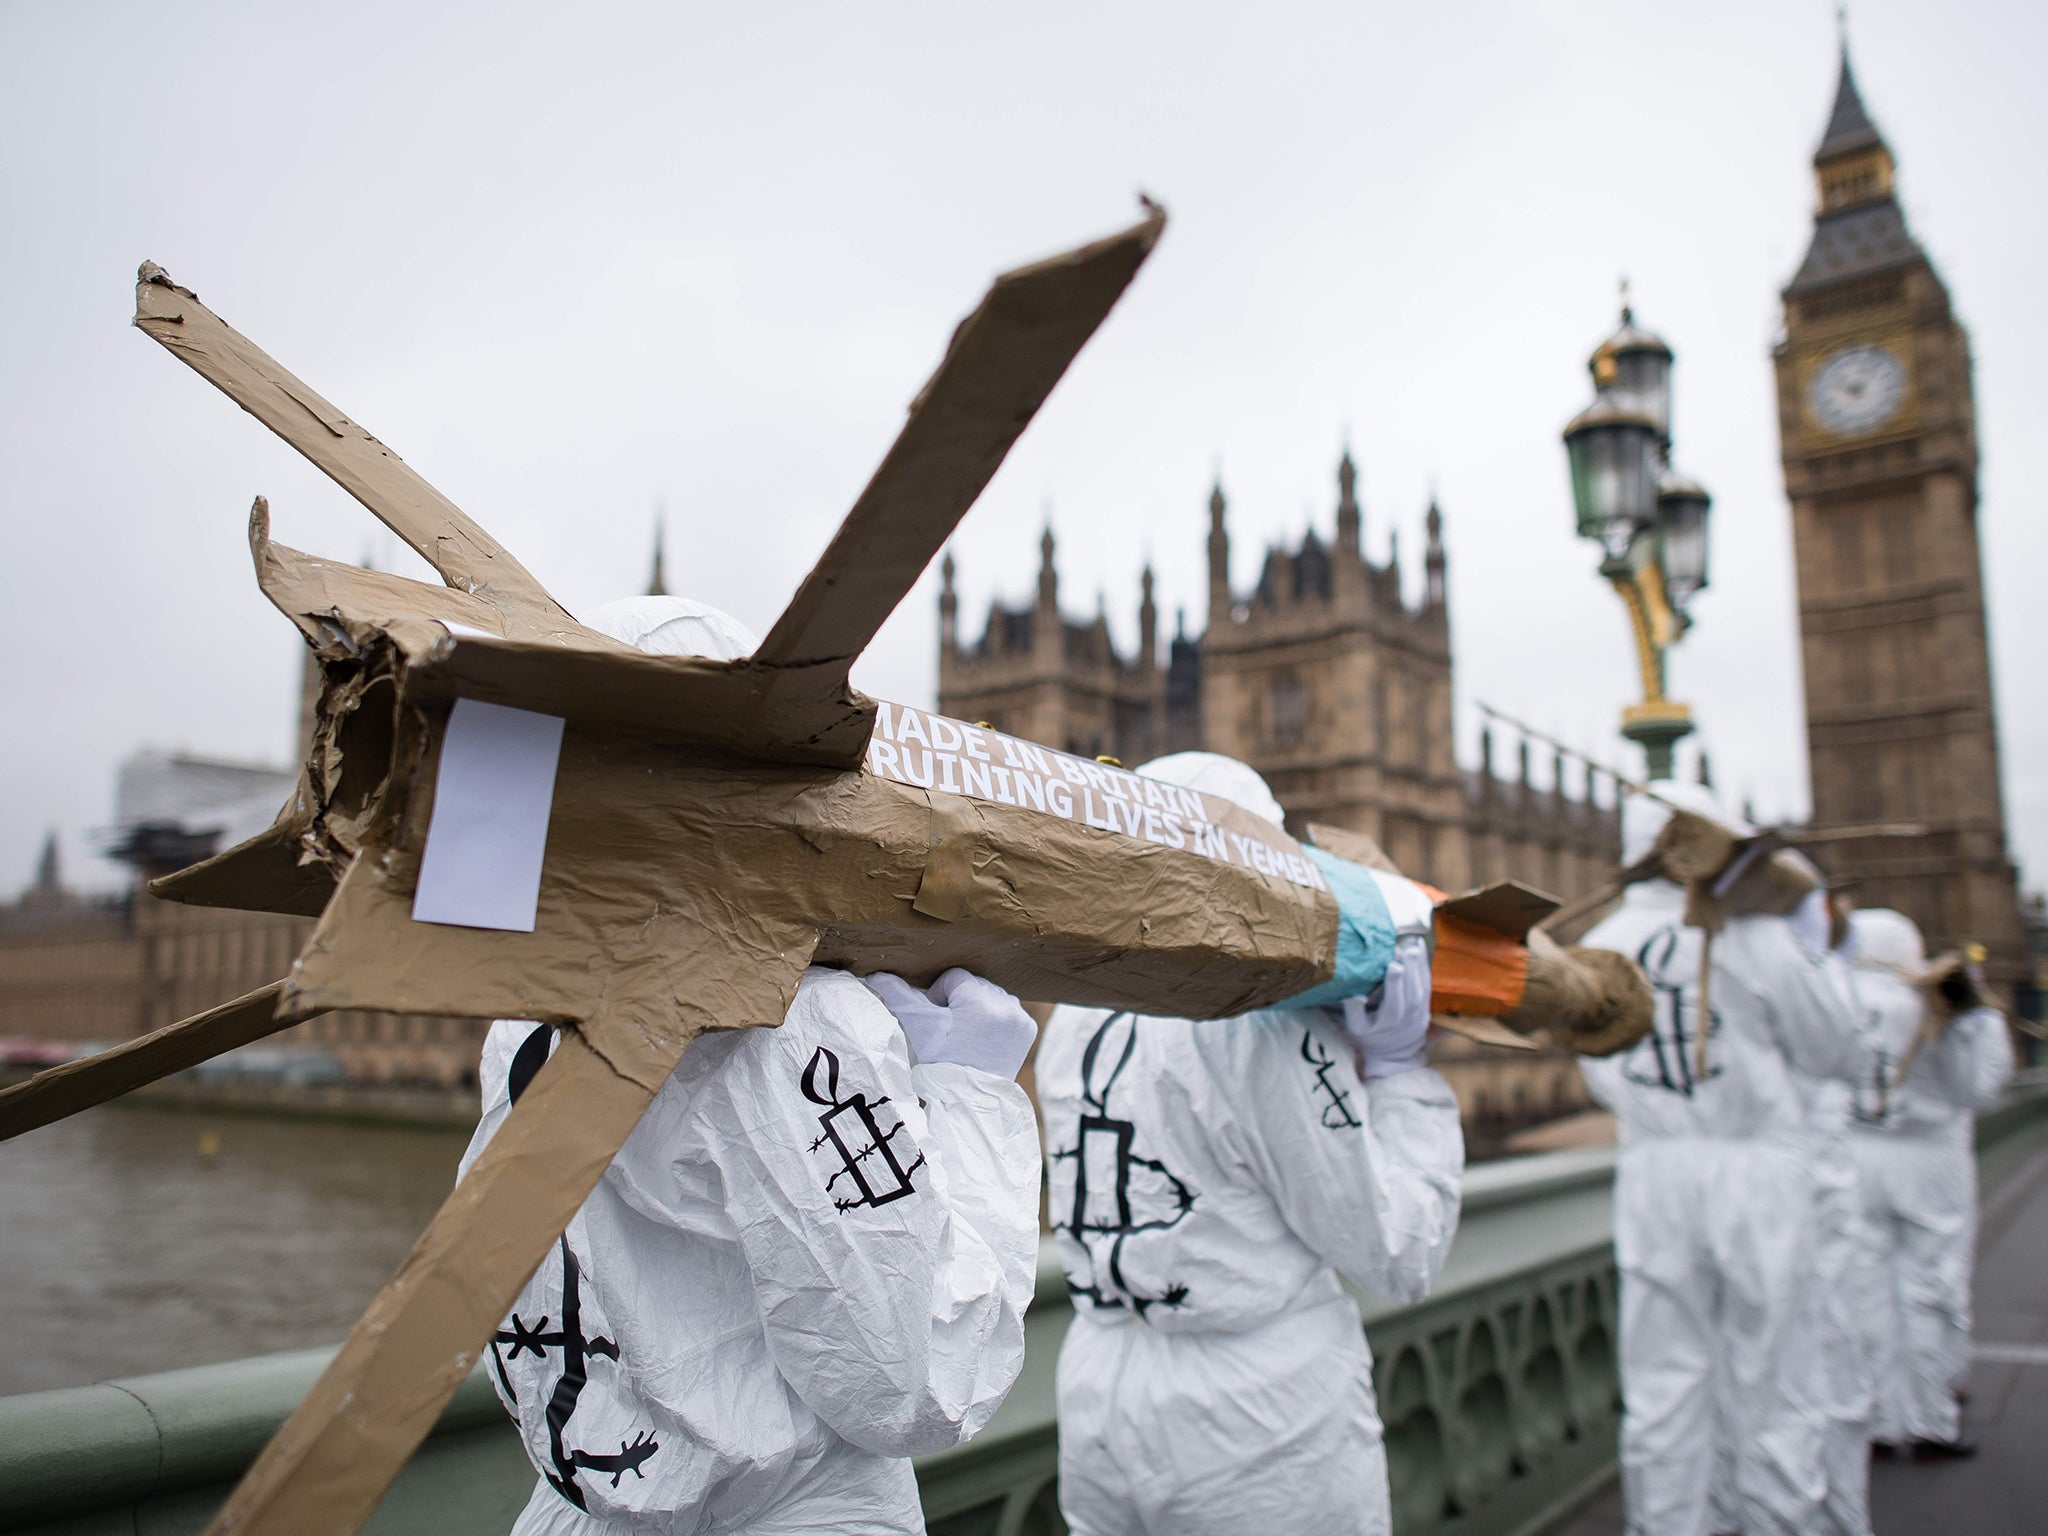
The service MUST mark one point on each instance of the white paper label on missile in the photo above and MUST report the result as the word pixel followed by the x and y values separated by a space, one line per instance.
pixel 492 796
pixel 910 746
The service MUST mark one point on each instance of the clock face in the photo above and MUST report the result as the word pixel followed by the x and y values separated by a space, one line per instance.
pixel 1858 389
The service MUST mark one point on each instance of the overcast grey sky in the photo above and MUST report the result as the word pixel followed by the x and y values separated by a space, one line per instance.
pixel 570 260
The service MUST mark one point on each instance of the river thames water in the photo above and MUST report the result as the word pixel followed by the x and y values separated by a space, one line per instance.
pixel 126 1247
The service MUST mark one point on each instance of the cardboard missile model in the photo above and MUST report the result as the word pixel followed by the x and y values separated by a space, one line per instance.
pixel 504 814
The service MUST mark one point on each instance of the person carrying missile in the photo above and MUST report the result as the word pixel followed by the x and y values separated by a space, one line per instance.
pixel 1840 1389
pixel 809 1261
pixel 1939 1054
pixel 1716 1214
pixel 1212 1184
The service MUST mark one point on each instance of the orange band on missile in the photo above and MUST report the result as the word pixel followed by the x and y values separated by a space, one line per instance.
pixel 1475 970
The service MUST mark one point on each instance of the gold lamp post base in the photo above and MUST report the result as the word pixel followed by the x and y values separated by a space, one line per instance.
pixel 1657 725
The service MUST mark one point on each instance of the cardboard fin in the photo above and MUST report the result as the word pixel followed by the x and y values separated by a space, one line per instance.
pixel 998 369
pixel 307 589
pixel 327 1466
pixel 1356 847
pixel 1507 907
pixel 1483 1030
pixel 52 1095
pixel 468 558
pixel 261 875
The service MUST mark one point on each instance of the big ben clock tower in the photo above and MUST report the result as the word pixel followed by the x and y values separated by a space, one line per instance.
pixel 1878 429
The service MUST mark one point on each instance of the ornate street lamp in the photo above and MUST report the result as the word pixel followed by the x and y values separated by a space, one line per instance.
pixel 1651 524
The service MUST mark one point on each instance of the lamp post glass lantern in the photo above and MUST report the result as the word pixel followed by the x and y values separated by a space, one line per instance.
pixel 1682 537
pixel 1633 366
pixel 1613 454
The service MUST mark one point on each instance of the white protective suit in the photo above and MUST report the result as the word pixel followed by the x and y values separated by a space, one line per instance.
pixel 1913 1148
pixel 809 1261
pixel 1209 1184
pixel 1842 1389
pixel 1715 1214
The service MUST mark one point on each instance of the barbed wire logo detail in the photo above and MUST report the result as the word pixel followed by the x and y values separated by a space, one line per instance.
pixel 1118 1194
pixel 866 1149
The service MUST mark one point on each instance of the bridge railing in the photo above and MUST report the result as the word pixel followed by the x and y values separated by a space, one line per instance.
pixel 1499 1394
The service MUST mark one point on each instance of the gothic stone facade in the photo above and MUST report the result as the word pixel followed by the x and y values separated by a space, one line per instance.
pixel 1321 677
pixel 1878 427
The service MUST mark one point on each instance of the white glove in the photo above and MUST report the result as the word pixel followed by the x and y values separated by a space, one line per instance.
pixel 1812 922
pixel 1391 1025
pixel 961 1018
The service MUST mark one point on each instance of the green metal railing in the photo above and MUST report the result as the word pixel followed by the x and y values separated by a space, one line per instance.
pixel 1499 1394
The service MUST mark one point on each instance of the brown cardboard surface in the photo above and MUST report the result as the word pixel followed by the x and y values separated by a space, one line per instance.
pixel 926 751
pixel 1484 1031
pixel 262 875
pixel 1590 1001
pixel 1692 847
pixel 65 1090
pixel 1776 882
pixel 1507 907
pixel 891 876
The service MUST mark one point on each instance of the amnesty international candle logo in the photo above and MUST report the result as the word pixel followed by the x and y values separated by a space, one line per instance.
pixel 1332 1099
pixel 1871 1102
pixel 930 751
pixel 1667 1057
pixel 1119 1194
pixel 869 1165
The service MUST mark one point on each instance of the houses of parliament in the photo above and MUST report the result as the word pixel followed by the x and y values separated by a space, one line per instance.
pixel 1339 691
pixel 1322 677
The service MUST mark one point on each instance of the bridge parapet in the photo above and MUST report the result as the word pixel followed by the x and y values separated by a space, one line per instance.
pixel 1500 1394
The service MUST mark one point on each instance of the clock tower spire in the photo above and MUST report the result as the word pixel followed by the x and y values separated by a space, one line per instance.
pixel 1877 427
